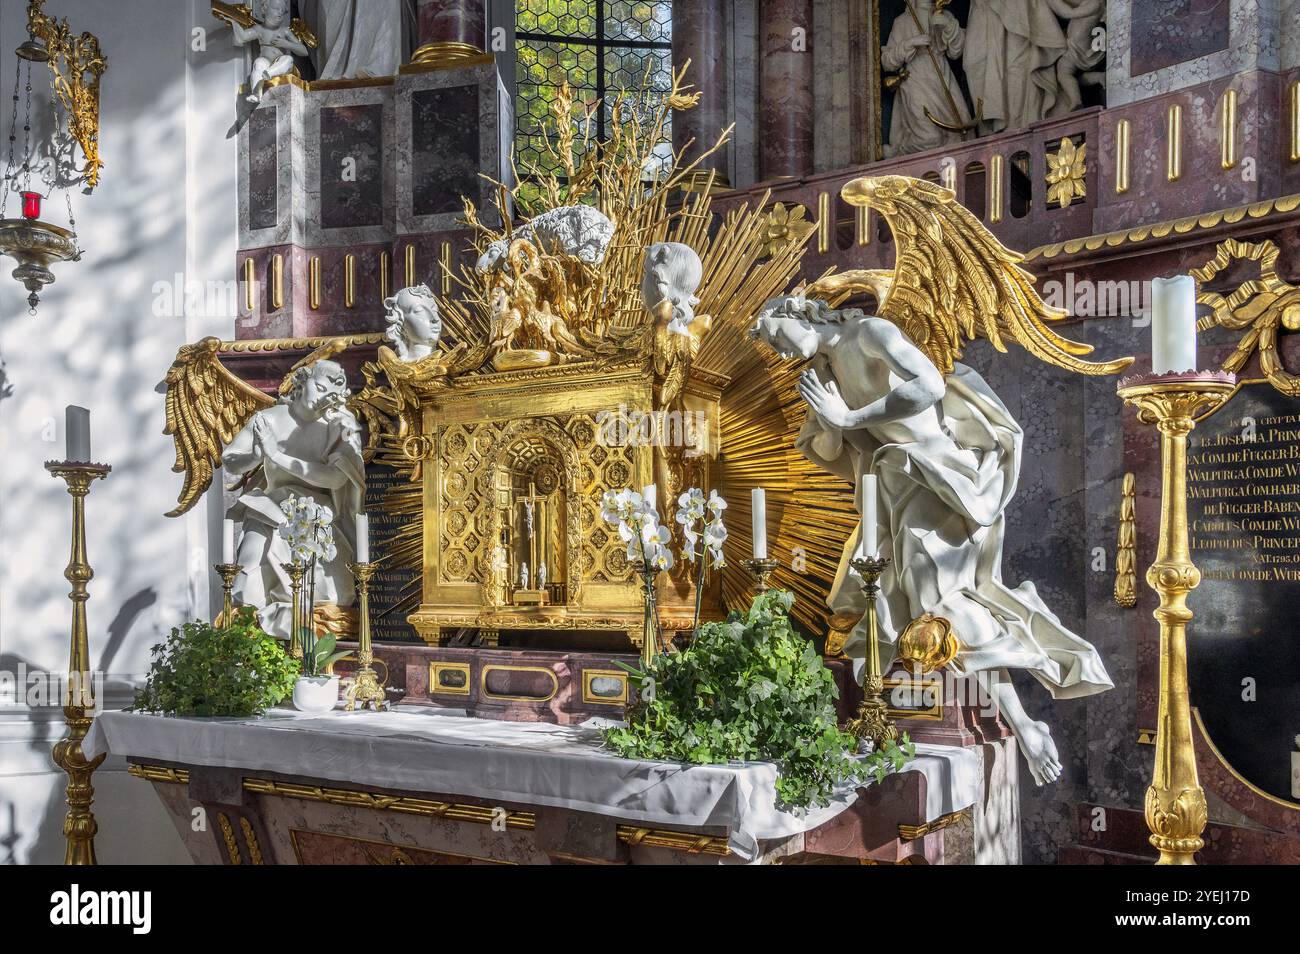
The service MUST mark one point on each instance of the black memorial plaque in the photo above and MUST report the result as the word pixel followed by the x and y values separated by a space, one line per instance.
pixel 390 589
pixel 1243 488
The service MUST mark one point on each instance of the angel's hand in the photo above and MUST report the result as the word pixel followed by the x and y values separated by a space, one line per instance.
pixel 825 400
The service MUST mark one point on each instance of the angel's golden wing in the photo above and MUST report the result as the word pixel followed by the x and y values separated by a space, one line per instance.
pixel 953 281
pixel 206 407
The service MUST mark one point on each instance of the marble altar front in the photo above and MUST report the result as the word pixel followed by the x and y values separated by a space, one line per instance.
pixel 429 786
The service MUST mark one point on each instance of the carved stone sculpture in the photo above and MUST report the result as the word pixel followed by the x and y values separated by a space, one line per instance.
pixel 929 107
pixel 1084 51
pixel 278 42
pixel 307 444
pixel 414 324
pixel 358 38
pixel 1010 58
pixel 668 284
pixel 578 230
pixel 945 450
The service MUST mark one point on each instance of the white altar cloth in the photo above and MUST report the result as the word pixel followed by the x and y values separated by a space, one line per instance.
pixel 419 749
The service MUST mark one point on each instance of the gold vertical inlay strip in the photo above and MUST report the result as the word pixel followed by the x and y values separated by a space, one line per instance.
pixel 862 224
pixel 385 275
pixel 949 176
pixel 349 280
pixel 313 282
pixel 824 223
pixel 1295 121
pixel 1228 129
pixel 277 281
pixel 250 282
pixel 1174 144
pixel 1123 130
pixel 410 265
pixel 997 173
pixel 444 260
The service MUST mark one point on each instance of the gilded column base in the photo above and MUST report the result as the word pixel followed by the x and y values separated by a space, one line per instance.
pixel 1176 820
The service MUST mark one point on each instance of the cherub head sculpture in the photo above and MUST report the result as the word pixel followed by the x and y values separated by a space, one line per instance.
pixel 414 325
pixel 671 276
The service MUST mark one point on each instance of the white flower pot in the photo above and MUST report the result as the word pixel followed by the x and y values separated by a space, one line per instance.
pixel 315 694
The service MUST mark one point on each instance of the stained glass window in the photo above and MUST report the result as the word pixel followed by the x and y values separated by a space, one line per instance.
pixel 598 46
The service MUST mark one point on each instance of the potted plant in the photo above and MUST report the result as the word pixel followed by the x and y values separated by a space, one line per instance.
pixel 308 529
pixel 206 670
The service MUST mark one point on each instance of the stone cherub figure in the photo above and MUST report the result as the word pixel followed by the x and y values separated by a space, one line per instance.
pixel 307 444
pixel 945 450
pixel 671 275
pixel 921 42
pixel 278 38
pixel 414 324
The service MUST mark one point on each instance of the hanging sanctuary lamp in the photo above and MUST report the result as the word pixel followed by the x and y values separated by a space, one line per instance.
pixel 69 156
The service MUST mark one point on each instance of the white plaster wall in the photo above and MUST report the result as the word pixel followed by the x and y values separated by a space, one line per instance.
pixel 166 207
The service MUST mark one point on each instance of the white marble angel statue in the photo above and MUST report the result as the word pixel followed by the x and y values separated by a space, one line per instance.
pixel 305 443
pixel 414 324
pixel 308 444
pixel 885 396
pixel 279 39
pixel 670 277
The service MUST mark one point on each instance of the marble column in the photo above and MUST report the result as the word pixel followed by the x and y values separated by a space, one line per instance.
pixel 786 102
pixel 700 35
pixel 453 21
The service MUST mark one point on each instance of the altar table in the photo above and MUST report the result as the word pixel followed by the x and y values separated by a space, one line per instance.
pixel 419 785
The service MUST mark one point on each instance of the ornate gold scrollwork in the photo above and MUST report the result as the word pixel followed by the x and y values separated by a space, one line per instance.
pixel 1264 306
pixel 1126 550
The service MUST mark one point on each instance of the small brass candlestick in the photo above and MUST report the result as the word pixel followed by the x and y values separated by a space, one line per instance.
pixel 760 570
pixel 366 690
pixel 873 722
pixel 296 572
pixel 1176 811
pixel 79 826
pixel 227 572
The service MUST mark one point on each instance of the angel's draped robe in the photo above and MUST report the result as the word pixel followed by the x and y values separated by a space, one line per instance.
pixel 944 479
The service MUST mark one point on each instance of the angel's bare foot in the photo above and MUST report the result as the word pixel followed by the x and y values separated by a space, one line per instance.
pixel 1035 740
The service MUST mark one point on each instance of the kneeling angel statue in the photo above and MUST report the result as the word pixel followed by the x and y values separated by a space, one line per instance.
pixel 885 396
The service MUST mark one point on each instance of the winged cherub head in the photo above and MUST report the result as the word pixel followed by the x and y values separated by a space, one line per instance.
pixel 414 324
pixel 789 324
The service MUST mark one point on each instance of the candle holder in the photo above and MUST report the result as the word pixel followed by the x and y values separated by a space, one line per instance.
pixel 366 690
pixel 79 826
pixel 760 570
pixel 1176 812
pixel 296 570
pixel 227 572
pixel 873 723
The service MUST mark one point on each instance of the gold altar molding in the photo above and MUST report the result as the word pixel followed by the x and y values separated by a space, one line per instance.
pixel 1160 230
pixel 1126 549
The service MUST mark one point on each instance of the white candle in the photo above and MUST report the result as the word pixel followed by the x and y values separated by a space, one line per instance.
pixel 227 541
pixel 363 538
pixel 76 428
pixel 650 493
pixel 868 547
pixel 1173 324
pixel 758 510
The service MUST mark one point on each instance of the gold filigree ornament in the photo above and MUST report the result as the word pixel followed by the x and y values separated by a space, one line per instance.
pixel 1263 306
pixel 76 65
pixel 1067 173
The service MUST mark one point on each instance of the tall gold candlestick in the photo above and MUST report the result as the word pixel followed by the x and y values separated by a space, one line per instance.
pixel 366 690
pixel 79 826
pixel 1175 802
pixel 296 571
pixel 227 572
pixel 873 720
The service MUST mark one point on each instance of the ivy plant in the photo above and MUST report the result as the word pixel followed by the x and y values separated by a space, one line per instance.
pixel 205 670
pixel 752 689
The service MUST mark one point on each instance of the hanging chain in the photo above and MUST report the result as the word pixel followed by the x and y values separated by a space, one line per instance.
pixel 27 132
pixel 13 136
